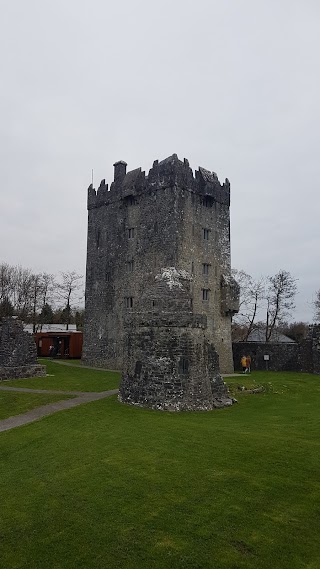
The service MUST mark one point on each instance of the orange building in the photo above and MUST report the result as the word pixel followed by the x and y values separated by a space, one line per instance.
pixel 67 344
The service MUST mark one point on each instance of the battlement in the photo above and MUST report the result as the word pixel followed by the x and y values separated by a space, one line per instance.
pixel 169 173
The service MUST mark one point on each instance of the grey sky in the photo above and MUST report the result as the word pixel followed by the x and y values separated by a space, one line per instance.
pixel 233 86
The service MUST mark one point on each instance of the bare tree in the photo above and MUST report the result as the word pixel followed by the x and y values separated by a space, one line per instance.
pixel 70 290
pixel 48 285
pixel 31 296
pixel 251 295
pixel 297 331
pixel 280 294
pixel 22 291
pixel 36 286
pixel 6 282
pixel 317 306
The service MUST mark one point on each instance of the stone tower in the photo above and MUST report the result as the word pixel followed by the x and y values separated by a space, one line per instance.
pixel 158 267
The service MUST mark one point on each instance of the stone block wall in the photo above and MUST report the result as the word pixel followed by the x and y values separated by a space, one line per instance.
pixel 169 361
pixel 283 357
pixel 171 369
pixel 304 357
pixel 18 353
pixel 144 225
pixel 314 339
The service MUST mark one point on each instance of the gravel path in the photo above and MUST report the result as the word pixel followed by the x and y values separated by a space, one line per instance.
pixel 45 410
pixel 70 364
pixel 116 370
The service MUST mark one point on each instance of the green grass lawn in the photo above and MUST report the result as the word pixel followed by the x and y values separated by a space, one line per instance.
pixel 16 403
pixel 106 485
pixel 70 378
pixel 74 362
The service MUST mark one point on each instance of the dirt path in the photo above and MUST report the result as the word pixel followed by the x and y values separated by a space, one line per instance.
pixel 118 371
pixel 70 364
pixel 45 410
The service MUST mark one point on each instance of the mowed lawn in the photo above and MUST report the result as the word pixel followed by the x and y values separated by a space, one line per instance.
pixel 70 378
pixel 106 485
pixel 17 403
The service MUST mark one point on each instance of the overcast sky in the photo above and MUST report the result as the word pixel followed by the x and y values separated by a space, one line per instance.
pixel 231 85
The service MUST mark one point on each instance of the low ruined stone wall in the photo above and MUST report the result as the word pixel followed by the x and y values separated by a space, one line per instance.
pixel 22 372
pixel 282 357
pixel 18 352
pixel 303 357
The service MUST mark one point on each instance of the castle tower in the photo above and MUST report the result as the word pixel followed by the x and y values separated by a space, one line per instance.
pixel 158 275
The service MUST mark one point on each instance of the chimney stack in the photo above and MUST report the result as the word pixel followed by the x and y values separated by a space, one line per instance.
pixel 120 169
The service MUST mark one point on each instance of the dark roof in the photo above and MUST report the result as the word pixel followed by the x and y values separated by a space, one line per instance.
pixel 259 335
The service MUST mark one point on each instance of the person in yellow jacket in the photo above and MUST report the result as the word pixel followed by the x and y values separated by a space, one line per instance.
pixel 244 364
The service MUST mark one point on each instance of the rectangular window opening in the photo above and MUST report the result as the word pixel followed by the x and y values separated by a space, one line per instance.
pixel 206 234
pixel 130 266
pixel 131 232
pixel 208 201
pixel 205 294
pixel 205 269
pixel 130 200
pixel 128 301
pixel 183 365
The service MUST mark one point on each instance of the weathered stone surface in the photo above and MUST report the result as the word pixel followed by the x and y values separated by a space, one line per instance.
pixel 158 266
pixel 303 357
pixel 314 339
pixel 169 362
pixel 22 371
pixel 142 224
pixel 18 353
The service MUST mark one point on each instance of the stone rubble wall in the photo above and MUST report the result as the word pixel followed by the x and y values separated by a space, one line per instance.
pixel 169 361
pixel 304 357
pixel 22 372
pixel 171 369
pixel 18 352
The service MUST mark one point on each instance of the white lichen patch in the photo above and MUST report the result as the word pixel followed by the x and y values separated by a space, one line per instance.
pixel 227 280
pixel 161 362
pixel 173 276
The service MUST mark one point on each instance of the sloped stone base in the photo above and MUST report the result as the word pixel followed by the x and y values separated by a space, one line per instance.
pixel 172 369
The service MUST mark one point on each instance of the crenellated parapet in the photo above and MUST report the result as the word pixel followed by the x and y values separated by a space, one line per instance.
pixel 169 173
